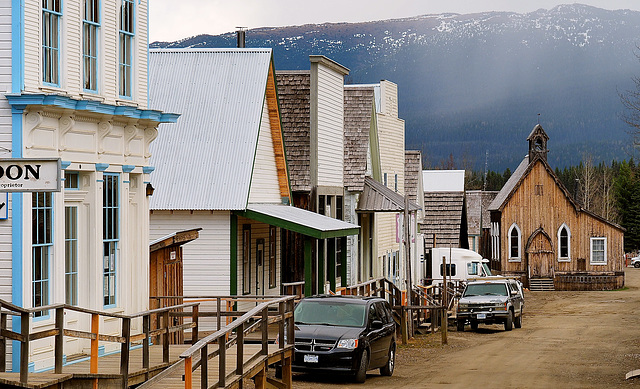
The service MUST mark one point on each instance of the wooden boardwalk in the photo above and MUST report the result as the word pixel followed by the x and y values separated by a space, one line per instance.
pixel 109 366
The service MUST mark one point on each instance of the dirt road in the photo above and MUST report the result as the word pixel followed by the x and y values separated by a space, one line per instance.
pixel 568 340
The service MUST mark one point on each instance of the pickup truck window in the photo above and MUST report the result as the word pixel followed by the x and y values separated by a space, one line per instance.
pixel 485 290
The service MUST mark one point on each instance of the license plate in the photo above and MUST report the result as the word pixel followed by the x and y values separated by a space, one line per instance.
pixel 482 316
pixel 310 359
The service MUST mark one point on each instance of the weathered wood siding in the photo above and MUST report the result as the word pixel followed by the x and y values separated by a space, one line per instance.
pixel 264 180
pixel 330 147
pixel 550 210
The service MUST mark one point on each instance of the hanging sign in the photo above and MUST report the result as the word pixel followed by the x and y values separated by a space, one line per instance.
pixel 30 175
pixel 4 206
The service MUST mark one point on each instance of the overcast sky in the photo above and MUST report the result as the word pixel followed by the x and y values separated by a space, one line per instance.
pixel 171 20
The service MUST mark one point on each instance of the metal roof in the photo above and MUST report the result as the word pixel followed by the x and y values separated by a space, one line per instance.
pixel 300 220
pixel 378 198
pixel 205 160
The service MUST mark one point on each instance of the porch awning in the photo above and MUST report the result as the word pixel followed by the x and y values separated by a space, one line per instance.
pixel 299 220
pixel 378 198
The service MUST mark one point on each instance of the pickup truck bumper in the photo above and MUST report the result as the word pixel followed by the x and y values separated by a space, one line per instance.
pixel 484 316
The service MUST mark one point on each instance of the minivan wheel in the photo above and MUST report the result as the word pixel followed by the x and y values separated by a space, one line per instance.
pixel 508 324
pixel 387 370
pixel 361 374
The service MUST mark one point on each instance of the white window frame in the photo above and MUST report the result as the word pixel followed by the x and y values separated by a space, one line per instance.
pixel 41 250
pixel 591 261
pixel 90 39
pixel 110 238
pixel 71 254
pixel 519 257
pixel 126 50
pixel 568 257
pixel 51 20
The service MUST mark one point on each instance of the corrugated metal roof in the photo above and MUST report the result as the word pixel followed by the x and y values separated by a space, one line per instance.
pixel 376 197
pixel 300 220
pixel 205 160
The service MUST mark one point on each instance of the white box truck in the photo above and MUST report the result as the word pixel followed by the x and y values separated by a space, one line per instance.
pixel 461 265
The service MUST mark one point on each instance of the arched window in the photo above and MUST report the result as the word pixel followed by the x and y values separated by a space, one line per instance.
pixel 564 243
pixel 515 243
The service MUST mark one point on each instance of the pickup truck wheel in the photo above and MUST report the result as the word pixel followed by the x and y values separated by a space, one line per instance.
pixel 460 325
pixel 636 265
pixel 361 374
pixel 517 322
pixel 508 324
pixel 474 325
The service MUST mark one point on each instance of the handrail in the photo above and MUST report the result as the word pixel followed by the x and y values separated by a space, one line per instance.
pixel 221 337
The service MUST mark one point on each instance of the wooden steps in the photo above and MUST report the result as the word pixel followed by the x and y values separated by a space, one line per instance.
pixel 541 284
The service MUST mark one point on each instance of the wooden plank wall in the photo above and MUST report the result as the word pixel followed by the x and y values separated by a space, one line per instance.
pixel 549 210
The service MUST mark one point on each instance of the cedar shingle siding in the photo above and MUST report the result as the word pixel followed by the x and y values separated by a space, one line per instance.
pixel 443 213
pixel 412 170
pixel 293 95
pixel 358 108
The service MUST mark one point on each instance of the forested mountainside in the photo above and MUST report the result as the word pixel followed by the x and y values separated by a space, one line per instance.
pixel 473 85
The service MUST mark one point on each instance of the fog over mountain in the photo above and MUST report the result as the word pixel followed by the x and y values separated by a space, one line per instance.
pixel 470 84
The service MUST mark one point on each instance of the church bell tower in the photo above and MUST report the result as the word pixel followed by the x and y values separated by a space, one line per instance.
pixel 538 143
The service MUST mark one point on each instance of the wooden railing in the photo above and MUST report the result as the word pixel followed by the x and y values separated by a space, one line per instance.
pixel 198 355
pixel 293 289
pixel 59 332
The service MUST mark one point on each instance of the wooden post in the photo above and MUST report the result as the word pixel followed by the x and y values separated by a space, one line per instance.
pixel 93 363
pixel 265 331
pixel 240 350
pixel 146 324
pixel 3 343
pixel 443 325
pixel 204 367
pixel 124 352
pixel 445 298
pixel 24 347
pixel 59 341
pixel 287 376
pixel 403 324
pixel 222 361
pixel 219 313
pixel 260 380
pixel 308 274
pixel 165 337
pixel 291 325
pixel 281 309
pixel 188 374
pixel 194 319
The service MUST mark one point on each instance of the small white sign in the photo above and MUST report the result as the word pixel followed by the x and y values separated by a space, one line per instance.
pixel 30 175
pixel 172 256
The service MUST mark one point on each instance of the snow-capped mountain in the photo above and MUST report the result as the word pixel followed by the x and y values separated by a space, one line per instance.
pixel 477 82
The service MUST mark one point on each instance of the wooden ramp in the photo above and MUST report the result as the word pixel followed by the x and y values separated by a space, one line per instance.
pixel 254 364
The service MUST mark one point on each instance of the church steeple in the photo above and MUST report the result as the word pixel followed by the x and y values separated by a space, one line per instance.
pixel 538 143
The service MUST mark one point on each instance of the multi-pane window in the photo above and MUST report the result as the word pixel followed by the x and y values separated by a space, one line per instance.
pixel 514 242
pixel 246 259
pixel 71 255
pixel 42 247
pixel 598 251
pixel 110 236
pixel 51 13
pixel 126 47
pixel 272 257
pixel 90 26
pixel 71 180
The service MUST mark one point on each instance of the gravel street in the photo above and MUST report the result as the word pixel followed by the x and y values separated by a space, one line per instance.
pixel 568 340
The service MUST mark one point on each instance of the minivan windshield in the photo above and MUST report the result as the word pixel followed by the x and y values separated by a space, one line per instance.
pixel 332 313
pixel 485 289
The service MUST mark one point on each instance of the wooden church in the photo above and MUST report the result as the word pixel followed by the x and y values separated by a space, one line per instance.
pixel 541 234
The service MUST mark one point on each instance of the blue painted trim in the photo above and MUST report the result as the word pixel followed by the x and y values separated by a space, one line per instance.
pixel 17 202
pixel 17 99
pixel 65 164
pixel 148 169
pixel 128 168
pixel 32 367
pixel 17 46
pixel 100 167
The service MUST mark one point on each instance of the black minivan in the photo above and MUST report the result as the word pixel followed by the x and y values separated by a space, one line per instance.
pixel 346 334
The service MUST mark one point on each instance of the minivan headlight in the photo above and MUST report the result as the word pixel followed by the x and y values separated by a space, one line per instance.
pixel 348 343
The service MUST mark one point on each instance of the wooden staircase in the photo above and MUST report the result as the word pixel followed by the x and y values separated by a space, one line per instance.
pixel 541 284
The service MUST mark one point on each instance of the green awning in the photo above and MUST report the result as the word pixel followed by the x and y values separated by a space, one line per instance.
pixel 299 220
